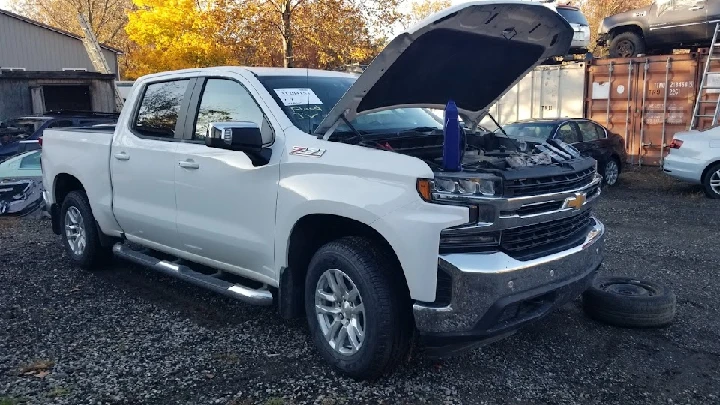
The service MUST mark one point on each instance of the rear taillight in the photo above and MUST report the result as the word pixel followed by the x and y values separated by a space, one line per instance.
pixel 675 144
pixel 40 141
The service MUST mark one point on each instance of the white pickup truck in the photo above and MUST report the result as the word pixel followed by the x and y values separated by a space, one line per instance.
pixel 327 194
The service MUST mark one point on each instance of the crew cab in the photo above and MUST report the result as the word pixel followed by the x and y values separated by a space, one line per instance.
pixel 342 198
pixel 660 27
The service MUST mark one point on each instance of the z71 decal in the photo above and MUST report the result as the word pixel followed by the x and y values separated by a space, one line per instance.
pixel 303 151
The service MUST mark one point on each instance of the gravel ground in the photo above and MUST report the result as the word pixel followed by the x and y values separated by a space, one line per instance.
pixel 126 335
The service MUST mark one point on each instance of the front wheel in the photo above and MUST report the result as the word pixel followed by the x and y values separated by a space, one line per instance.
pixel 357 311
pixel 626 45
pixel 711 181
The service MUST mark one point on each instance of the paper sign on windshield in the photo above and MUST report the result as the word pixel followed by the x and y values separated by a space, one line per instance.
pixel 291 97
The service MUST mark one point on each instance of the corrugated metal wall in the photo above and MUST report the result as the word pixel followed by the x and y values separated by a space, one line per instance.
pixel 23 45
pixel 546 92
pixel 646 100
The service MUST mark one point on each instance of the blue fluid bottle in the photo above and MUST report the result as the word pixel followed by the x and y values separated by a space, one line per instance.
pixel 451 142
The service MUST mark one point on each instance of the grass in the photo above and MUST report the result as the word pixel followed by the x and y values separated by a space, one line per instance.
pixel 10 401
pixel 275 401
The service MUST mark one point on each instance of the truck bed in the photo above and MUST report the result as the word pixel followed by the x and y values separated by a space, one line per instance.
pixel 82 153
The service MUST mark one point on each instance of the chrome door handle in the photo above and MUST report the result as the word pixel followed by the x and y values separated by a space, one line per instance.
pixel 122 156
pixel 189 164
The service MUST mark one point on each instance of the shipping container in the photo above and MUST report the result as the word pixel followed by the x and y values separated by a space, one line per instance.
pixel 644 99
pixel 709 98
pixel 554 91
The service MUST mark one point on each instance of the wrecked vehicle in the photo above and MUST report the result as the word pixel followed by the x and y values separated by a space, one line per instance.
pixel 21 184
pixel 341 198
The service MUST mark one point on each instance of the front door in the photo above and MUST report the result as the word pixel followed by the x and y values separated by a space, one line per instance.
pixel 225 204
pixel 592 140
pixel 142 163
pixel 679 21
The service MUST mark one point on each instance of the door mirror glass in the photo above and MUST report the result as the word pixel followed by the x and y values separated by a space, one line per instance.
pixel 235 135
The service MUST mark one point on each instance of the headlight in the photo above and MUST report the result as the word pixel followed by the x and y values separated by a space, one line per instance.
pixel 458 187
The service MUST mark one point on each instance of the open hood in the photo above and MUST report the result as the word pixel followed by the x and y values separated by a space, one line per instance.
pixel 471 53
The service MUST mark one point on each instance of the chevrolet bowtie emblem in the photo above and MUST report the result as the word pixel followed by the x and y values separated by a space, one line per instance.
pixel 577 201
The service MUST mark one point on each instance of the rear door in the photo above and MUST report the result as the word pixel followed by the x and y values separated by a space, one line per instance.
pixel 225 204
pixel 679 21
pixel 143 161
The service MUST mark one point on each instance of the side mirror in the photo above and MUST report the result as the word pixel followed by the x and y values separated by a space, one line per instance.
pixel 235 135
pixel 243 136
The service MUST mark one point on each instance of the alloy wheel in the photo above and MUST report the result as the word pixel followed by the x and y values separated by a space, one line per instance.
pixel 75 231
pixel 340 312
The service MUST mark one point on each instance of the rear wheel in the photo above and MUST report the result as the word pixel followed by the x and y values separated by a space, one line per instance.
pixel 611 172
pixel 626 45
pixel 711 181
pixel 357 312
pixel 79 233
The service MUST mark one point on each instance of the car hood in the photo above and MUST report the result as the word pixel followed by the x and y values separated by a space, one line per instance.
pixel 471 53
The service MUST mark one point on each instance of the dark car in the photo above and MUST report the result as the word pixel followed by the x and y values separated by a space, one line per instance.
pixel 587 136
pixel 660 27
pixel 18 134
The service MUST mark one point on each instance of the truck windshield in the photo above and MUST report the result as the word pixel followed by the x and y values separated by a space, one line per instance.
pixel 308 100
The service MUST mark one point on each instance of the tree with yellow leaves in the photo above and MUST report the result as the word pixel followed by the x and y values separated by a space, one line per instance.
pixel 421 9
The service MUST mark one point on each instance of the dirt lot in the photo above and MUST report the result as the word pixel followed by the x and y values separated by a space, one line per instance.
pixel 126 335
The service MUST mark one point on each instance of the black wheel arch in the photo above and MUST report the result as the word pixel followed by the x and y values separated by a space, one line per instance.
pixel 628 27
pixel 308 235
pixel 63 185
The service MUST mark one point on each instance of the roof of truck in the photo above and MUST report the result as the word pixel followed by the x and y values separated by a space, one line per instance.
pixel 276 71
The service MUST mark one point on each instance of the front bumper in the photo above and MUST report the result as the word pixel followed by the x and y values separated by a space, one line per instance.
pixel 493 295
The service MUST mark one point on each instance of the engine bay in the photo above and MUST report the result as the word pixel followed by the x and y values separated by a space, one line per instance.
pixel 480 151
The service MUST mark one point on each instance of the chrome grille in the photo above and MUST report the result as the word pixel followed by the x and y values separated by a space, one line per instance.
pixel 549 184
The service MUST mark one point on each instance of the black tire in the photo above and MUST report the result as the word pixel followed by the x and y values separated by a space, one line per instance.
pixel 387 318
pixel 628 302
pixel 93 254
pixel 712 174
pixel 626 45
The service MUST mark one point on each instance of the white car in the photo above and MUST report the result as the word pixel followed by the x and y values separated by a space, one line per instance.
pixel 340 198
pixel 695 157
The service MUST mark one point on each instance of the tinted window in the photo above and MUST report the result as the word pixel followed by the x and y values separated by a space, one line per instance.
pixel 308 100
pixel 222 101
pixel 60 124
pixel 588 131
pixel 567 133
pixel 573 16
pixel 159 109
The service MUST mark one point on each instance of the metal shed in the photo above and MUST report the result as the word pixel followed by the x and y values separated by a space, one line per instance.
pixel 27 45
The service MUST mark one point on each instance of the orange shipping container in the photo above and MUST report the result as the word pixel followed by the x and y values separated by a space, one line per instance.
pixel 646 100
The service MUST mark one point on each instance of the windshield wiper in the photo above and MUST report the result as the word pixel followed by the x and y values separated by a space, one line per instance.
pixel 419 129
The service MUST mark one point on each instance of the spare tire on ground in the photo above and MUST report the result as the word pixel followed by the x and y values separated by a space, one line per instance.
pixel 629 302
